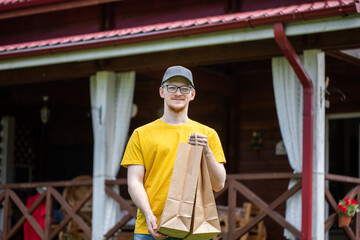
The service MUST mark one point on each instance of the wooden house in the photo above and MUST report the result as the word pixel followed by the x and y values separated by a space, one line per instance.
pixel 60 60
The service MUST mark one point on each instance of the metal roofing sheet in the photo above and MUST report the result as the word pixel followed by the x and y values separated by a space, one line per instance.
pixel 5 2
pixel 14 2
pixel 266 16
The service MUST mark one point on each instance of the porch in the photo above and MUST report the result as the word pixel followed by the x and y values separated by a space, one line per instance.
pixel 236 192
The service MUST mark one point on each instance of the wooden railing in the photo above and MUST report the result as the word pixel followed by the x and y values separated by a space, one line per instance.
pixel 234 186
pixel 9 197
pixel 353 193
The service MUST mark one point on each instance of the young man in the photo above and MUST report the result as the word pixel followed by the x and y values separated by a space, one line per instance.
pixel 151 152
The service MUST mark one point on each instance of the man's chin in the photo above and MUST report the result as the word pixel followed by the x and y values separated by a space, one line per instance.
pixel 177 109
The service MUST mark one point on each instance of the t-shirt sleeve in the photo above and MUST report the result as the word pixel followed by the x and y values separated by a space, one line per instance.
pixel 133 154
pixel 215 146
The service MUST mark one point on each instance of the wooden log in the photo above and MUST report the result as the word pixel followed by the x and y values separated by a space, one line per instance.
pixel 48 214
pixel 357 219
pixel 46 184
pixel 330 221
pixel 232 209
pixel 330 199
pixel 7 210
pixel 340 178
pixel 113 230
pixel 262 176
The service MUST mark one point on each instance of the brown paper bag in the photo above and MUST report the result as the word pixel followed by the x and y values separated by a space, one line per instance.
pixel 176 217
pixel 206 224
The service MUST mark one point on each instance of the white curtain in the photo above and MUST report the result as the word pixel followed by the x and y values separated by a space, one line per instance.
pixel 289 107
pixel 112 105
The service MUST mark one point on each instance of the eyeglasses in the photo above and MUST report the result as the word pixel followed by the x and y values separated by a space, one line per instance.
pixel 173 89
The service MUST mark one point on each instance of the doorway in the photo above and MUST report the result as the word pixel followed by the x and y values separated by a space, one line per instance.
pixel 342 157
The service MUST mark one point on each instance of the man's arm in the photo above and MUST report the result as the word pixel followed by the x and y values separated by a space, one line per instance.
pixel 135 179
pixel 216 170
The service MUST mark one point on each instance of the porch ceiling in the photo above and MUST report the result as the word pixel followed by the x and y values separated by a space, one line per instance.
pixel 225 29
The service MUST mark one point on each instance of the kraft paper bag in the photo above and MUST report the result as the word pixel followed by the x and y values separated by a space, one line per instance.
pixel 176 217
pixel 206 224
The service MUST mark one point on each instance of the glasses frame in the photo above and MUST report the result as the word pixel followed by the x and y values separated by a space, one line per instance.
pixel 181 88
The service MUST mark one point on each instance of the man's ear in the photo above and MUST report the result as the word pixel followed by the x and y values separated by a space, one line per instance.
pixel 193 93
pixel 161 92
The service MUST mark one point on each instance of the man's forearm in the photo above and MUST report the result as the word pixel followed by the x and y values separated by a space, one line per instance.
pixel 138 195
pixel 216 171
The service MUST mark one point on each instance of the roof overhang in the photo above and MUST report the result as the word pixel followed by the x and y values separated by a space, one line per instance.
pixel 226 29
pixel 16 8
pixel 192 41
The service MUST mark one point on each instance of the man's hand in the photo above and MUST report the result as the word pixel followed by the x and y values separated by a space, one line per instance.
pixel 199 140
pixel 216 170
pixel 138 195
pixel 152 227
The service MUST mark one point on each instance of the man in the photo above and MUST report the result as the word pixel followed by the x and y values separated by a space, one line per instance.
pixel 151 152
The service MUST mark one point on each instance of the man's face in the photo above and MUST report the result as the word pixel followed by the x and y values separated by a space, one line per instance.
pixel 179 100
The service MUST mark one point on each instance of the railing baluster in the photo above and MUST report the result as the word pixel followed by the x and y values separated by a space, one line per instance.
pixel 6 215
pixel 48 214
pixel 231 210
pixel 357 218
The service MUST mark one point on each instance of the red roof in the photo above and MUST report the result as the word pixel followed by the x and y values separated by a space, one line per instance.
pixel 292 13
pixel 12 4
pixel 8 2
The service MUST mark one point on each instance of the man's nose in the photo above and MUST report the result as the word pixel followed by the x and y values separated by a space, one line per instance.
pixel 178 92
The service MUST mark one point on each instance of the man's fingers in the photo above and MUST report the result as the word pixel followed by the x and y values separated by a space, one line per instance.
pixel 159 236
pixel 152 226
pixel 199 142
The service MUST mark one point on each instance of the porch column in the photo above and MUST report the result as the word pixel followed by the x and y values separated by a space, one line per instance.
pixel 314 64
pixel 111 104
pixel 7 149
pixel 7 155
pixel 288 98
pixel 101 87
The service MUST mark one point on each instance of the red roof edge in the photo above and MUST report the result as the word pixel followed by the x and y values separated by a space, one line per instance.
pixel 201 29
pixel 24 4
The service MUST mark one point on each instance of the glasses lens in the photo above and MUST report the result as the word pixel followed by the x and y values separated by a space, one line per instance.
pixel 171 88
pixel 185 89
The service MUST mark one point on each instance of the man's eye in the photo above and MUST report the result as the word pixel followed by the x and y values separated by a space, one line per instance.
pixel 185 89
pixel 172 88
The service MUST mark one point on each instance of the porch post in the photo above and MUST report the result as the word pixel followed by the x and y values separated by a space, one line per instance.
pixel 7 155
pixel 101 87
pixel 314 64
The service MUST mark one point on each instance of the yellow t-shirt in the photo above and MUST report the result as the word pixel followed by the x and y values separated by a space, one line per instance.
pixel 154 146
